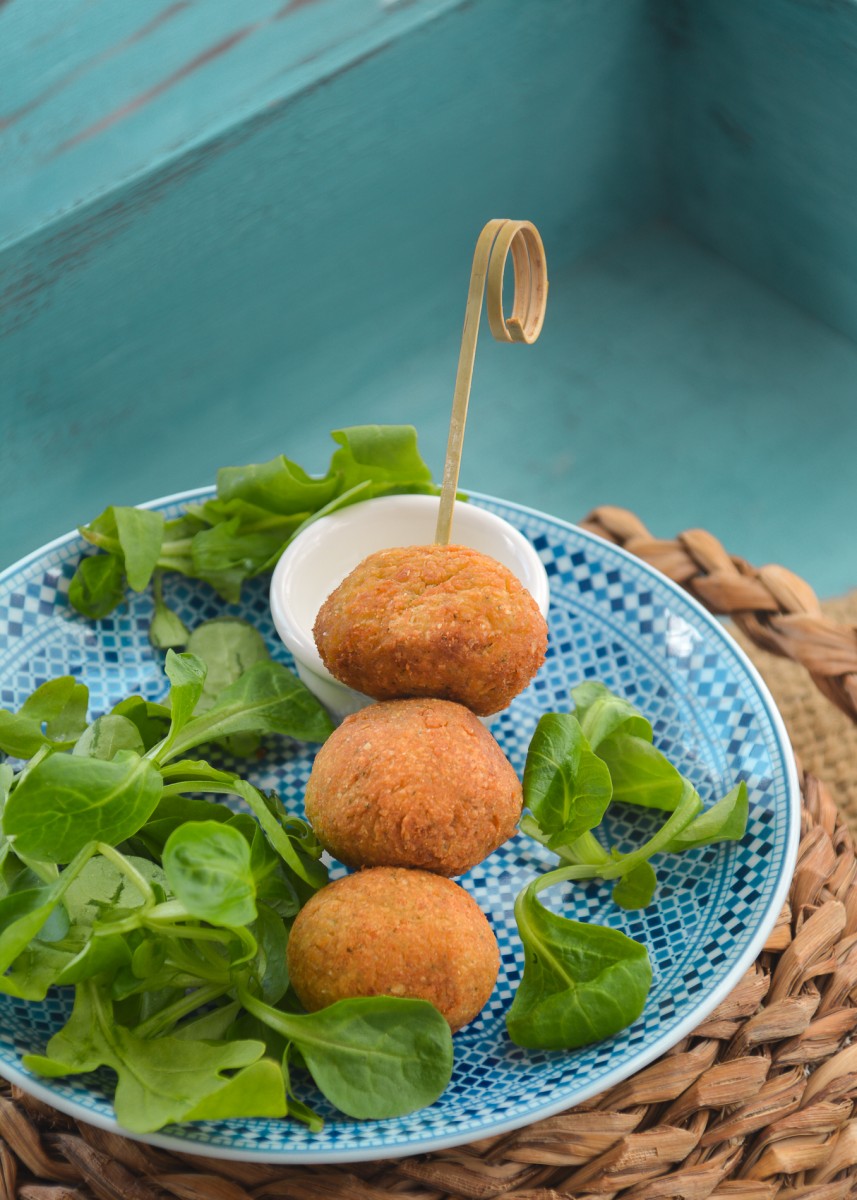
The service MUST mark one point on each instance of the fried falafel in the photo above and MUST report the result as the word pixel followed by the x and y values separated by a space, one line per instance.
pixel 441 621
pixel 392 932
pixel 413 783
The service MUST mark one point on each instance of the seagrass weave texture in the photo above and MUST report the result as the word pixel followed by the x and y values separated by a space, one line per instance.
pixel 759 1102
pixel 775 608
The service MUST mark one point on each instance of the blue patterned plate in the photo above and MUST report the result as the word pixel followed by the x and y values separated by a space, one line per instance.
pixel 612 618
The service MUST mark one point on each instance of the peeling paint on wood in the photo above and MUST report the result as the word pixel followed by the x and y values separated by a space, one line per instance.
pixel 158 89
pixel 79 71
pixel 293 6
pixel 172 318
pixel 108 90
pixel 172 280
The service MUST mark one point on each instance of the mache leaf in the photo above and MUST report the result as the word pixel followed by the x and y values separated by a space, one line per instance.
pixel 65 801
pixel 160 1079
pixel 97 585
pixel 385 455
pixel 56 705
pixel 267 698
pixel 22 916
pixel 186 674
pixel 107 735
pixel 566 786
pixel 374 1057
pixel 581 982
pixel 226 555
pixel 152 720
pixel 140 532
pixel 228 646
pixel 257 1091
pixel 167 631
pixel 725 821
pixel 641 774
pixel 278 486
pixel 637 888
pixel 602 714
pixel 208 868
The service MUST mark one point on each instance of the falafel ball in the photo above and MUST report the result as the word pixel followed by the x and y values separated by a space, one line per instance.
pixel 441 621
pixel 394 932
pixel 413 783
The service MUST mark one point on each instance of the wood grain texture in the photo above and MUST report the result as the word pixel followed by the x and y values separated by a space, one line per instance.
pixel 184 319
pixel 762 155
pixel 181 287
pixel 94 93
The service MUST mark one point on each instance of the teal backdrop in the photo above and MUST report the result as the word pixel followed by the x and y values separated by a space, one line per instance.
pixel 227 229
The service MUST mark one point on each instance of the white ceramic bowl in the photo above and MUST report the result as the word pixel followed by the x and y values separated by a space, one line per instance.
pixel 320 558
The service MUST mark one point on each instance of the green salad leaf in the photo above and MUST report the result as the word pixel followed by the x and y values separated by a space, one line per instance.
pixel 228 646
pixel 724 821
pixel 581 982
pixel 569 784
pixel 98 585
pixel 54 716
pixel 267 698
pixel 162 1079
pixel 207 865
pixel 566 786
pixel 640 773
pixel 66 801
pixel 602 714
pixel 243 531
pixel 167 631
pixel 106 736
pixel 124 876
pixel 636 888
pixel 141 533
pixel 375 1057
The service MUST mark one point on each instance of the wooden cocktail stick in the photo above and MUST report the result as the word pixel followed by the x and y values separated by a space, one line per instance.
pixel 524 325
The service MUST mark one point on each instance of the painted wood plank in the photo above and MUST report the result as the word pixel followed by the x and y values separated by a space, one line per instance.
pixel 763 142
pixel 232 299
pixel 665 380
pixel 95 93
pixel 207 287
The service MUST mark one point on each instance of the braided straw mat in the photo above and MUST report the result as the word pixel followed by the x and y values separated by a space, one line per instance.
pixel 759 1102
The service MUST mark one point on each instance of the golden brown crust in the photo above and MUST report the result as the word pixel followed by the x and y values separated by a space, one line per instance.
pixel 441 621
pixel 393 932
pixel 413 783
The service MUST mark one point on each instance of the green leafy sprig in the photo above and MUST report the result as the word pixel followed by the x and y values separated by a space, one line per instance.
pixel 243 531
pixel 123 875
pixel 584 982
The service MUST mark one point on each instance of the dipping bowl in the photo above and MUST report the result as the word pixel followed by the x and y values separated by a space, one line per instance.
pixel 319 559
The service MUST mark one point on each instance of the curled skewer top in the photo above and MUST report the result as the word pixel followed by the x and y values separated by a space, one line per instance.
pixel 524 324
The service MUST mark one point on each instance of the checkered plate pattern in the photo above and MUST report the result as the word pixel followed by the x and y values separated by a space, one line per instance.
pixel 612 618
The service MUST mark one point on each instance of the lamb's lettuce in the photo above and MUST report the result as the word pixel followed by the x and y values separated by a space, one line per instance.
pixel 169 912
pixel 243 531
pixel 582 982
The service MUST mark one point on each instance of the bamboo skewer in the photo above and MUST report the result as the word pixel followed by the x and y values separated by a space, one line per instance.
pixel 496 240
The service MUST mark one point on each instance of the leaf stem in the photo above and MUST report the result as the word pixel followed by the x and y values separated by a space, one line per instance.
pixel 40 755
pixel 565 875
pixel 129 870
pixel 180 956
pixel 586 849
pixel 164 919
pixel 161 1021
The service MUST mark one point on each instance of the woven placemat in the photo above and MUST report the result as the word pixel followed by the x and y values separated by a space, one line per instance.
pixel 824 737
pixel 758 1103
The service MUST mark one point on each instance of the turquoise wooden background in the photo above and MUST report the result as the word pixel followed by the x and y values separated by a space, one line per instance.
pixel 227 229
